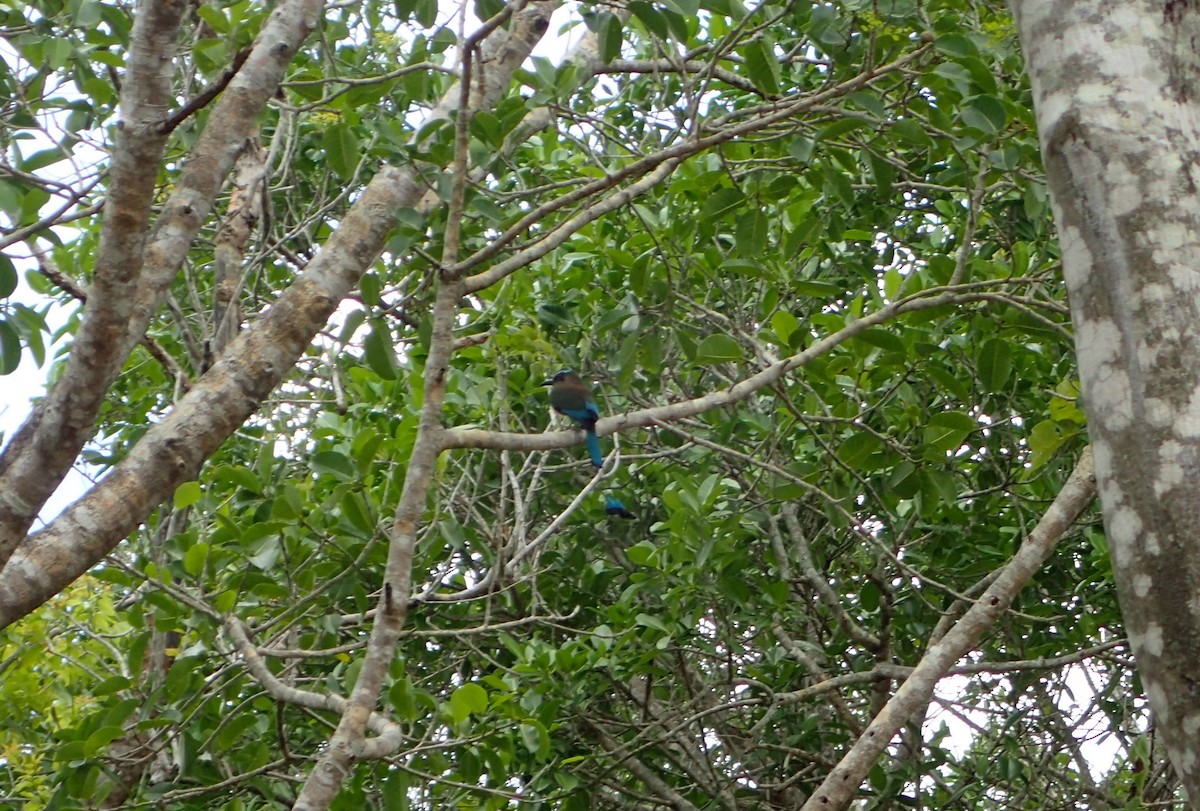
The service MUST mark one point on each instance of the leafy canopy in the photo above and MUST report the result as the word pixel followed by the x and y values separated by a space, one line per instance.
pixel 890 235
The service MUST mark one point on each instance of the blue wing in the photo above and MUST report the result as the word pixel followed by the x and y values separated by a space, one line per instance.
pixel 613 506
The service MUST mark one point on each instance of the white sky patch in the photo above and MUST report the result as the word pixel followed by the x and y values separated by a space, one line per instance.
pixel 965 717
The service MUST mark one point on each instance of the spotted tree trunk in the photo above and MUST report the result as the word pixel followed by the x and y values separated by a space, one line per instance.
pixel 1115 87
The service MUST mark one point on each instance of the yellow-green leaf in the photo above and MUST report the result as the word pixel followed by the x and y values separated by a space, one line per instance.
pixel 194 558
pixel 187 494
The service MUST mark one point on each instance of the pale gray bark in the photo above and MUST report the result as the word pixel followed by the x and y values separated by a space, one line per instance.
pixel 135 266
pixel 1116 88
pixel 172 451
pixel 42 450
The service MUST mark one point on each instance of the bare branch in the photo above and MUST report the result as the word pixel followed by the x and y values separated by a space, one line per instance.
pixel 841 786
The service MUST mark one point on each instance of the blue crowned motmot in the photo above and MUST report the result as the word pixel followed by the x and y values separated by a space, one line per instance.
pixel 570 396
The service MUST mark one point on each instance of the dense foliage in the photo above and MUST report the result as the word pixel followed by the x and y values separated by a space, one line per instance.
pixel 796 549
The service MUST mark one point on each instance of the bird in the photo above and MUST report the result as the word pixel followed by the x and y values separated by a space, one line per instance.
pixel 571 397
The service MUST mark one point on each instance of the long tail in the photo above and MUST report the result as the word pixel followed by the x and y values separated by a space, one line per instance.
pixel 612 504
pixel 593 446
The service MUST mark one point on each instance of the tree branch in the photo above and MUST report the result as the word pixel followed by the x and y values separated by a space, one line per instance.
pixel 841 785
pixel 497 440
pixel 133 271
pixel 44 447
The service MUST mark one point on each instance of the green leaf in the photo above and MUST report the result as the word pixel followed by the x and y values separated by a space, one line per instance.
pixel 8 277
pixel 355 508
pixel 10 199
pixel 995 364
pixel 678 23
pixel 820 290
pixel 1066 407
pixel 720 202
pixel 883 173
pixel 839 128
pixel 946 432
pixel 608 34
pixel 650 17
pixel 395 791
pixel 402 699
pixel 860 451
pixel 187 494
pixel 370 286
pixel 42 159
pixel 378 351
pixel 648 621
pixel 536 738
pixel 827 28
pixel 101 738
pixel 486 9
pixel 753 229
pixel 641 553
pixel 903 480
pixel 195 558
pixel 762 65
pixel 238 475
pixel 341 150
pixel 869 596
pixel 267 554
pixel 951 383
pixel 290 505
pixel 553 315
pixel 10 348
pixel 1044 441
pixel 801 149
pixel 785 325
pixel 112 685
pixel 333 462
pixel 687 8
pixel 467 700
pixel 955 45
pixel 837 188
pixel 426 13
pixel 911 131
pixel 937 488
pixel 881 338
pixel 215 17
pixel 179 677
pixel 350 675
pixel 225 601
pixel 718 349
pixel 985 114
pixel 233 731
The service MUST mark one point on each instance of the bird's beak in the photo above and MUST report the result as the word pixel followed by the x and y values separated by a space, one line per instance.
pixel 547 383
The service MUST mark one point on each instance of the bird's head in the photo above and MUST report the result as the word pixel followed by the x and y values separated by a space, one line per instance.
pixel 567 375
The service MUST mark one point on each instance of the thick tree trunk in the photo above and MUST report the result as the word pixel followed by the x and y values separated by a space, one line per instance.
pixel 1115 88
